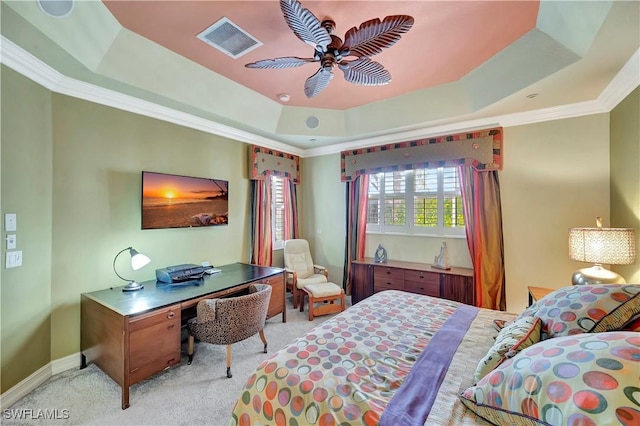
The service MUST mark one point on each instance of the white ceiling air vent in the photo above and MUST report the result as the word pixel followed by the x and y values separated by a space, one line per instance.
pixel 229 38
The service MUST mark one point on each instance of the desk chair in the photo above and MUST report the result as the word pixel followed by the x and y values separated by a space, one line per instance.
pixel 229 320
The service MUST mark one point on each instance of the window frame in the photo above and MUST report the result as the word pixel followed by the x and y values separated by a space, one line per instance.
pixel 277 212
pixel 409 194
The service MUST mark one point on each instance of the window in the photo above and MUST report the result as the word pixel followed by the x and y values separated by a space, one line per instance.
pixel 421 201
pixel 277 211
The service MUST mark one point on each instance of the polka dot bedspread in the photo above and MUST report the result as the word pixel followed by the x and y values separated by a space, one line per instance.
pixel 346 370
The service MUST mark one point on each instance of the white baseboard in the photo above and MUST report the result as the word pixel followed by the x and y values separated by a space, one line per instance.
pixel 66 363
pixel 37 378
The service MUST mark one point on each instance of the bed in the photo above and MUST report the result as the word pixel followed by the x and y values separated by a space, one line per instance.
pixel 398 358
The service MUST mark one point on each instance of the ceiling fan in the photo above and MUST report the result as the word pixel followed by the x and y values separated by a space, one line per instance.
pixel 367 40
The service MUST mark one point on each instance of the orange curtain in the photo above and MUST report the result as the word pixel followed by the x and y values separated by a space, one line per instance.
pixel 261 242
pixel 483 224
pixel 357 192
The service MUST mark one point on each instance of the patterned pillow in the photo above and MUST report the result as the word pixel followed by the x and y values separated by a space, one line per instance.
pixel 586 379
pixel 587 309
pixel 632 325
pixel 514 337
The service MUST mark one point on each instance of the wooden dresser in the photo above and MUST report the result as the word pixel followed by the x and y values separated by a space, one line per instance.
pixel 368 277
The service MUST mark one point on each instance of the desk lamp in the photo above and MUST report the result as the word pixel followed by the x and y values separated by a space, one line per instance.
pixel 137 261
pixel 614 246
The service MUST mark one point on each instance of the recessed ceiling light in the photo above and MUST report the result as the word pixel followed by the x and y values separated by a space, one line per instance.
pixel 532 95
pixel 56 8
pixel 284 97
pixel 312 122
pixel 313 140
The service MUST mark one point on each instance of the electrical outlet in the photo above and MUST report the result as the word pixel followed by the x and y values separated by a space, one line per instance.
pixel 14 259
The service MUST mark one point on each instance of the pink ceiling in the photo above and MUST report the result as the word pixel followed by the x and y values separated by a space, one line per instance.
pixel 448 40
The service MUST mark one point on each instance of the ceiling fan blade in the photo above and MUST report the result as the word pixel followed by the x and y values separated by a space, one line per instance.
pixel 305 25
pixel 317 82
pixel 286 62
pixel 374 35
pixel 366 72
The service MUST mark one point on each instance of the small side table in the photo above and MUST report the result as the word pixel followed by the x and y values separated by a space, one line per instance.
pixel 537 293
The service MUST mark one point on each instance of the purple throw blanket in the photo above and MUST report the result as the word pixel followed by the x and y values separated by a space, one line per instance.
pixel 413 401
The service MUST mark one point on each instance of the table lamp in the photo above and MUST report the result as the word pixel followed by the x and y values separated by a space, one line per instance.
pixel 137 261
pixel 611 246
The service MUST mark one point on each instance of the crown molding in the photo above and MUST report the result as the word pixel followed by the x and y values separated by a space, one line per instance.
pixel 31 67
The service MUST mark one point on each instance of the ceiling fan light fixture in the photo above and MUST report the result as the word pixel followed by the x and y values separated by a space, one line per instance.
pixel 284 97
pixel 362 42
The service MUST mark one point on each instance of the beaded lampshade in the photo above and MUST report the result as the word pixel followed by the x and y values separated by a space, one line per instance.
pixel 611 246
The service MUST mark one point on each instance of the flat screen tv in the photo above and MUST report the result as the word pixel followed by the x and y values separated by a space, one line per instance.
pixel 174 201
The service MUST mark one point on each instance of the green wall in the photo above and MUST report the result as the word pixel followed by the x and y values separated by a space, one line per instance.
pixel 625 174
pixel 26 168
pixel 322 208
pixel 554 178
pixel 71 170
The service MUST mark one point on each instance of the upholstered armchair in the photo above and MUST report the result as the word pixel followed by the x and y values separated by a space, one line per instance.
pixel 229 320
pixel 300 269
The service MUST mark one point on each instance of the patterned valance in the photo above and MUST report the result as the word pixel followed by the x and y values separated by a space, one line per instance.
pixel 481 149
pixel 269 162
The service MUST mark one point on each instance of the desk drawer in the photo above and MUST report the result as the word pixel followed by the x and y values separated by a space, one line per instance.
pixel 276 304
pixel 156 317
pixel 154 343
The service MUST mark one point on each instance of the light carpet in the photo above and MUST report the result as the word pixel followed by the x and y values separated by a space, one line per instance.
pixel 196 394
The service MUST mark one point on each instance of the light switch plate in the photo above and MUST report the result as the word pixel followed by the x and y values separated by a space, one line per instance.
pixel 10 222
pixel 14 259
pixel 11 241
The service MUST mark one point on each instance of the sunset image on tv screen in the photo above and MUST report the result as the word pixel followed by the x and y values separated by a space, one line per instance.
pixel 172 201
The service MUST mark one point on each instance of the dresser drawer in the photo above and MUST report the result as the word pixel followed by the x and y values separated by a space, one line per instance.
pixel 425 287
pixel 382 273
pixel 390 285
pixel 422 276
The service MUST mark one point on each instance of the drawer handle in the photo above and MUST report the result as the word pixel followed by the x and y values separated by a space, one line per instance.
pixel 421 275
pixel 388 271
pixel 171 326
pixel 134 370
pixel 171 315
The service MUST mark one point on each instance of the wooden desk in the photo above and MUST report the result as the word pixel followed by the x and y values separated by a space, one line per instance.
pixel 134 335
pixel 368 277
pixel 537 293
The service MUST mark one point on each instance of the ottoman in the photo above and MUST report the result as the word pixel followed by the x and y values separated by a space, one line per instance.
pixel 326 295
